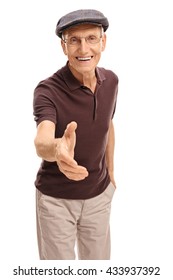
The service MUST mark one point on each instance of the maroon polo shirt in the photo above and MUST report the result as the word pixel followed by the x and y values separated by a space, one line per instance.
pixel 61 99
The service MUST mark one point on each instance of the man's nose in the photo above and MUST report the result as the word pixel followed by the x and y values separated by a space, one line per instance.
pixel 83 45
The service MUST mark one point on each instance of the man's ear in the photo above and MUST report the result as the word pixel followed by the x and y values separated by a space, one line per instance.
pixel 63 45
pixel 103 42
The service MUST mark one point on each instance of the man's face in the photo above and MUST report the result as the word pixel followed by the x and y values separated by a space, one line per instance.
pixel 83 45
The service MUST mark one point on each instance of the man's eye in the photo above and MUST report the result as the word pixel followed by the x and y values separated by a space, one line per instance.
pixel 92 38
pixel 73 40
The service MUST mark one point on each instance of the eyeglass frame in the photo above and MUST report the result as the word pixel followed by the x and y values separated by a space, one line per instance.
pixel 65 40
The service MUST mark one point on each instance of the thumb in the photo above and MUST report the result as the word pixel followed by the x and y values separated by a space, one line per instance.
pixel 70 129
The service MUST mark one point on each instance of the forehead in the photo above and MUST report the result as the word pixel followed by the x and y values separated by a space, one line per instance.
pixel 78 29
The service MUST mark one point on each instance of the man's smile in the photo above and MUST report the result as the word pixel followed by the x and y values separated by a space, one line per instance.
pixel 84 58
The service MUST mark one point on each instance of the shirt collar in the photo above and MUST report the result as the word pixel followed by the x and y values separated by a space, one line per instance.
pixel 73 83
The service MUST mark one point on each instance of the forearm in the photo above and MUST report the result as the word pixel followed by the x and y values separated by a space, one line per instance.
pixel 59 150
pixel 46 149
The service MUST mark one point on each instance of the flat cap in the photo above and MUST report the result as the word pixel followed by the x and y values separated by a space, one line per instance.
pixel 81 17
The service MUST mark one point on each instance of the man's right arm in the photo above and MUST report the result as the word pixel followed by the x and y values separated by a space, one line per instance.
pixel 45 141
pixel 60 150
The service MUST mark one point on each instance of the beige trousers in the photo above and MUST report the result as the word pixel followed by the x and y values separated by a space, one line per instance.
pixel 62 222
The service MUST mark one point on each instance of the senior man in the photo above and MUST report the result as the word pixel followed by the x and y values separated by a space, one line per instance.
pixel 73 110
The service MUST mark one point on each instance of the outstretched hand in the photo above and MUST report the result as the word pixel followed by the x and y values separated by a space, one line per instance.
pixel 65 155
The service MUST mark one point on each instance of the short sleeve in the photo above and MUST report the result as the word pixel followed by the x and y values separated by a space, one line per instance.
pixel 43 105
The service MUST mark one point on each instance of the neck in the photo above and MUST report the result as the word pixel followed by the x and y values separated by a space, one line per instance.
pixel 88 79
pixel 90 82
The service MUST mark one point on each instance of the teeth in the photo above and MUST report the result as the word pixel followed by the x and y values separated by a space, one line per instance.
pixel 84 58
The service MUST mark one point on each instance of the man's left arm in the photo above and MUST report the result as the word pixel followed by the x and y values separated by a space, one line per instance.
pixel 110 152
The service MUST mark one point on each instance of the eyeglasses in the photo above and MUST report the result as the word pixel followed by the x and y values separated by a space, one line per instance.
pixel 90 40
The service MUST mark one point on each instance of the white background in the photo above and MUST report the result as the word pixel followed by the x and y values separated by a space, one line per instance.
pixel 139 49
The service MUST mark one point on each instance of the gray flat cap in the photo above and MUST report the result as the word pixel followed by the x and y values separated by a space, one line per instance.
pixel 81 17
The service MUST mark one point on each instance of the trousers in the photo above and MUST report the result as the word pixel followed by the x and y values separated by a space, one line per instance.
pixel 66 224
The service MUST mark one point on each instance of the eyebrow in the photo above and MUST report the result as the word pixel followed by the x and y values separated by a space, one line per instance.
pixel 74 29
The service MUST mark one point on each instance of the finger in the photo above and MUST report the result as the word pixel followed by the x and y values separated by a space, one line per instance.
pixel 74 169
pixel 75 177
pixel 68 160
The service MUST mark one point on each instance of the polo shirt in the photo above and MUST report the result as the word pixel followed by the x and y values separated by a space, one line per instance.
pixel 61 99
